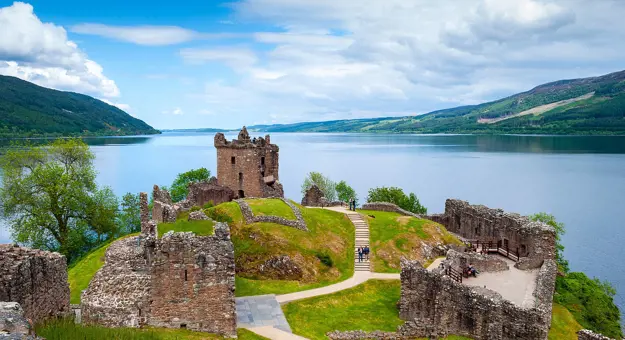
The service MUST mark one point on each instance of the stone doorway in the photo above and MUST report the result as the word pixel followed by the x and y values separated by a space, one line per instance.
pixel 241 194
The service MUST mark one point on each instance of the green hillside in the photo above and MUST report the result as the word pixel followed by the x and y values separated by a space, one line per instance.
pixel 28 110
pixel 579 106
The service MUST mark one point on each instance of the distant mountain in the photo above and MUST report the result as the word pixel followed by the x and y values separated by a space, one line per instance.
pixel 579 106
pixel 28 110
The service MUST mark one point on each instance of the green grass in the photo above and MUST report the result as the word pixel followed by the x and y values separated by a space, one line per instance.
pixel 563 324
pixel 200 228
pixel 80 274
pixel 370 306
pixel 66 329
pixel 330 233
pixel 393 236
pixel 271 207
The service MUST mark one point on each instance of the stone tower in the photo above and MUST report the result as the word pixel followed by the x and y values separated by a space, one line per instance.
pixel 248 166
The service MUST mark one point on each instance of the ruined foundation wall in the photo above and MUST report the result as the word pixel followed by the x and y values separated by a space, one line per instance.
pixel 193 282
pixel 535 241
pixel 482 262
pixel 436 306
pixel 389 207
pixel 586 334
pixel 35 279
pixel 119 293
pixel 204 192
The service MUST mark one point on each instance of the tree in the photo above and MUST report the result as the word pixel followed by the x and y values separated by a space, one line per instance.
pixel 345 192
pixel 398 197
pixel 129 218
pixel 49 195
pixel 101 214
pixel 179 188
pixel 549 219
pixel 322 182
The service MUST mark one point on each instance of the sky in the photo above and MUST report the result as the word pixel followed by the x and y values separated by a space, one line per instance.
pixel 194 64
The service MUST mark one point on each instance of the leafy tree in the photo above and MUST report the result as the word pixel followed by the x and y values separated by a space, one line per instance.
pixel 326 185
pixel 49 195
pixel 345 192
pixel 179 189
pixel 591 302
pixel 549 219
pixel 101 214
pixel 130 215
pixel 398 197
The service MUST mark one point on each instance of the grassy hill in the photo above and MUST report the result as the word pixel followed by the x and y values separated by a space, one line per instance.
pixel 324 254
pixel 28 110
pixel 593 105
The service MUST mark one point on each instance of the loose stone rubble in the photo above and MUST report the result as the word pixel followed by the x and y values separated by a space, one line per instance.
pixel 12 320
pixel 36 280
pixel 248 166
pixel 178 281
pixel 586 334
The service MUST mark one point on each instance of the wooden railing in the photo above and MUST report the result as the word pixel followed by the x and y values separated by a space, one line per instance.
pixel 495 247
pixel 455 274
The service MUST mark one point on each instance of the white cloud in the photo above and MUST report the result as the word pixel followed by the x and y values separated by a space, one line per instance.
pixel 41 53
pixel 124 107
pixel 147 35
pixel 232 56
pixel 176 111
pixel 357 58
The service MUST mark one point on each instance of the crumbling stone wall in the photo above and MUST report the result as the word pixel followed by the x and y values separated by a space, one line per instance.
pixel 358 335
pixel 12 320
pixel 586 334
pixel 179 281
pixel 535 241
pixel 201 193
pixel 163 209
pixel 248 166
pixel 436 306
pixel 248 215
pixel 314 197
pixel 119 293
pixel 193 282
pixel 35 279
pixel 390 207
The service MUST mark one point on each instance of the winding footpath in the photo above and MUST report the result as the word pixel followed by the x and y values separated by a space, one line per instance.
pixel 263 315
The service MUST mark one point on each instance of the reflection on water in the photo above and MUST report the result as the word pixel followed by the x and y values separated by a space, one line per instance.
pixel 581 180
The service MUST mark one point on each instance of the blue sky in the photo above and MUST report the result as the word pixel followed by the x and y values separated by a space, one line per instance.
pixel 225 64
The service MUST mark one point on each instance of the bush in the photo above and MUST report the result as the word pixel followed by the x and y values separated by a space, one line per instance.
pixel 345 192
pixel 179 188
pixel 398 197
pixel 325 259
pixel 219 215
pixel 591 302
pixel 208 205
pixel 194 208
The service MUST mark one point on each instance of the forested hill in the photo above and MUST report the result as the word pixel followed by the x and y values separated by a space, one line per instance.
pixel 579 106
pixel 29 110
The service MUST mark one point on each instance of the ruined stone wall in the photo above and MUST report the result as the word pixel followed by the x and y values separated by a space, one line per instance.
pixel 248 167
pixel 586 334
pixel 204 192
pixel 193 282
pixel 436 306
pixel 248 215
pixel 35 279
pixel 12 320
pixel 390 207
pixel 119 293
pixel 314 197
pixel 535 241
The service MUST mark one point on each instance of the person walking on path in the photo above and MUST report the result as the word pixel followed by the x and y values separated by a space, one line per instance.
pixel 366 252
pixel 359 254
pixel 351 203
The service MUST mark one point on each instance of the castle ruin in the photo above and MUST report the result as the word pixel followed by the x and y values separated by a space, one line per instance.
pixel 248 166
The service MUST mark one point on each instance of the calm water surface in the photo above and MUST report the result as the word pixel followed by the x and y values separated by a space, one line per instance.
pixel 581 180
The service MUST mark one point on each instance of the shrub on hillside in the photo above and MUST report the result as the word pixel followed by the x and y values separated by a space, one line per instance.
pixel 398 197
pixel 345 192
pixel 179 189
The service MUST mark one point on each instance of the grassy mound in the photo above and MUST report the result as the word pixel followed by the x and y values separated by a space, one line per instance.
pixel 200 228
pixel 80 274
pixel 68 330
pixel 271 207
pixel 393 236
pixel 324 254
pixel 563 324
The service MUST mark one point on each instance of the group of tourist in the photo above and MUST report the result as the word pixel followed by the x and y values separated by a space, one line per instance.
pixel 352 204
pixel 363 253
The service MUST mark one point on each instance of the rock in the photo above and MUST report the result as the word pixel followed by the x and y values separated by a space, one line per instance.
pixel 281 268
pixel 198 215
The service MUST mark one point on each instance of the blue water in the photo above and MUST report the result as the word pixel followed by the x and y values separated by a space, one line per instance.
pixel 581 180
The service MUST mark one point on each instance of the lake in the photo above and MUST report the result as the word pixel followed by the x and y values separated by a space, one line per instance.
pixel 581 180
